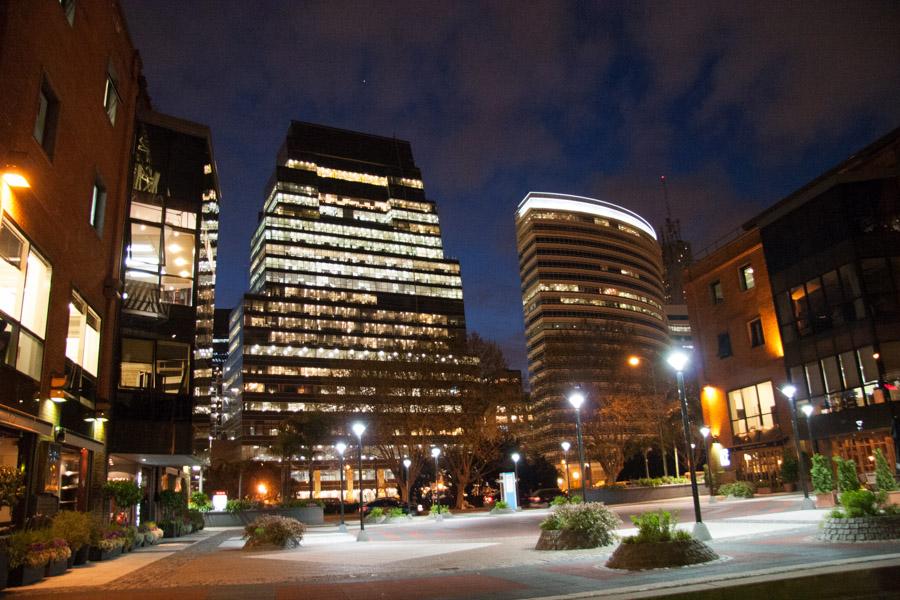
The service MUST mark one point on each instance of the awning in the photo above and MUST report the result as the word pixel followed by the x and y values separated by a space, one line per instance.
pixel 21 420
pixel 158 460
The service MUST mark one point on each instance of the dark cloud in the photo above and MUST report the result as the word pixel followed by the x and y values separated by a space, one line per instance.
pixel 737 103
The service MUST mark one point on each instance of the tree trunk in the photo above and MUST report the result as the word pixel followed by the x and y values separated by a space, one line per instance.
pixel 311 486
pixel 461 484
pixel 646 464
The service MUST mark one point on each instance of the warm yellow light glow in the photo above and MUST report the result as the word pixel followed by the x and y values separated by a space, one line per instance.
pixel 709 391
pixel 576 475
pixel 634 361
pixel 15 179
pixel 262 489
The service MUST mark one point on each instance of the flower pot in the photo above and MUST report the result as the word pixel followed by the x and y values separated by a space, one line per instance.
pixel 56 567
pixel 660 555
pixel 25 575
pixel 893 497
pixel 96 554
pixel 825 500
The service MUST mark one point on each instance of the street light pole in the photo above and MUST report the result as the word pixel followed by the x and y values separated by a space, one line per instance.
pixel 704 431
pixel 807 503
pixel 359 429
pixel 808 411
pixel 515 458
pixel 678 360
pixel 576 399
pixel 435 452
pixel 341 447
pixel 407 463
pixel 565 447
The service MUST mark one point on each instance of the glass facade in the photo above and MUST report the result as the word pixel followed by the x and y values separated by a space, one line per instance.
pixel 353 309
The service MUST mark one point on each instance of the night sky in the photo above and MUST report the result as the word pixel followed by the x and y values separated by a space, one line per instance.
pixel 738 104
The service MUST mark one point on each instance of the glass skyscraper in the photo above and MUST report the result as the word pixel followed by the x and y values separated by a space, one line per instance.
pixel 353 310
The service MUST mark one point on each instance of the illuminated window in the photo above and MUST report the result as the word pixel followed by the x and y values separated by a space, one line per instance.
pixel 98 207
pixel 24 301
pixel 752 408
pixel 748 282
pixel 715 289
pixel 83 337
pixel 111 96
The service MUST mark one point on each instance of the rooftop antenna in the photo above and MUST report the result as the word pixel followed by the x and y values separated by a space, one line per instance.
pixel 662 180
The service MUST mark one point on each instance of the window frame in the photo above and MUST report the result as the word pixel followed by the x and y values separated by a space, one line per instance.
pixel 754 343
pixel 97 215
pixel 715 289
pixel 111 101
pixel 50 120
pixel 746 285
pixel 724 337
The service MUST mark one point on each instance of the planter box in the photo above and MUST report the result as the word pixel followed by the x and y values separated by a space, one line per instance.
pixel 825 500
pixel 96 554
pixel 561 539
pixel 861 529
pixel 57 567
pixel 80 556
pixel 893 497
pixel 659 555
pixel 789 487
pixel 764 490
pixel 222 519
pixel 503 511
pixel 24 575
pixel 629 495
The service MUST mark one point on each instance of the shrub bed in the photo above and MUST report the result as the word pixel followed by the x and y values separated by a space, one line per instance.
pixel 738 489
pixel 658 544
pixel 272 531
pixel 583 525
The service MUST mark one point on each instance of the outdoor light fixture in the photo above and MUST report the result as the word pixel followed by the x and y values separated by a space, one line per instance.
pixel 515 458
pixel 678 360
pixel 790 390
pixel 262 489
pixel 565 448
pixel 358 429
pixel 576 399
pixel 807 409
pixel 634 361
pixel 704 431
pixel 407 464
pixel 341 447
pixel 435 452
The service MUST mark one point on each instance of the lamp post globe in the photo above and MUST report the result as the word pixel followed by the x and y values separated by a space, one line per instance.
pixel 358 429
pixel 565 449
pixel 341 447
pixel 515 458
pixel 406 464
pixel 808 411
pixel 790 391
pixel 576 399
pixel 435 453
pixel 678 360
pixel 705 431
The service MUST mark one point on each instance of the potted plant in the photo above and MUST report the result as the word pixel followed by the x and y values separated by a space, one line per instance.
pixel 658 544
pixel 75 528
pixel 106 542
pixel 571 526
pixel 58 555
pixel 28 557
pixel 885 483
pixel 737 489
pixel 125 495
pixel 847 477
pixel 822 481
pixel 790 470
pixel 12 488
pixel 200 501
pixel 376 515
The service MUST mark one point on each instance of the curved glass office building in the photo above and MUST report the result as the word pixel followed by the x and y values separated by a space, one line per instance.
pixel 592 295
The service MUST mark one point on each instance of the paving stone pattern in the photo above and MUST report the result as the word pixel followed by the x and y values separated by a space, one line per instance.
pixel 862 529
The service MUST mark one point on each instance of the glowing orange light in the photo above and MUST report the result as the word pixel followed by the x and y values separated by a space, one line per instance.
pixel 15 179
pixel 262 489
pixel 634 361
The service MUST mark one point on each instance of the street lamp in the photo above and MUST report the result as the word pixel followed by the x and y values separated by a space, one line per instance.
pixel 515 458
pixel 704 431
pixel 576 399
pixel 406 464
pixel 565 447
pixel 341 447
pixel 678 360
pixel 790 391
pixel 435 452
pixel 359 429
pixel 808 411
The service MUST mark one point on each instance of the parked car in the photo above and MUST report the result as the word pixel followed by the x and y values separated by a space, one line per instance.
pixel 542 498
pixel 385 504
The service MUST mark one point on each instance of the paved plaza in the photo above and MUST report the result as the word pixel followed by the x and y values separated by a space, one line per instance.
pixel 477 556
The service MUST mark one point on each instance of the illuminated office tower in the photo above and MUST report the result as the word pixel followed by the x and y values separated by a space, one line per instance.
pixel 592 294
pixel 354 312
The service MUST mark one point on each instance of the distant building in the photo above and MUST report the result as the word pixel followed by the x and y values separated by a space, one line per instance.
pixel 162 407
pixel 354 313
pixel 592 294
pixel 513 409
pixel 69 76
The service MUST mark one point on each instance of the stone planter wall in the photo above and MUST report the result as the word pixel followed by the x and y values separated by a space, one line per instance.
pixel 503 511
pixel 56 568
pixel 562 539
pixel 638 557
pixel 630 495
pixel 222 519
pixel 310 515
pixel 861 529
